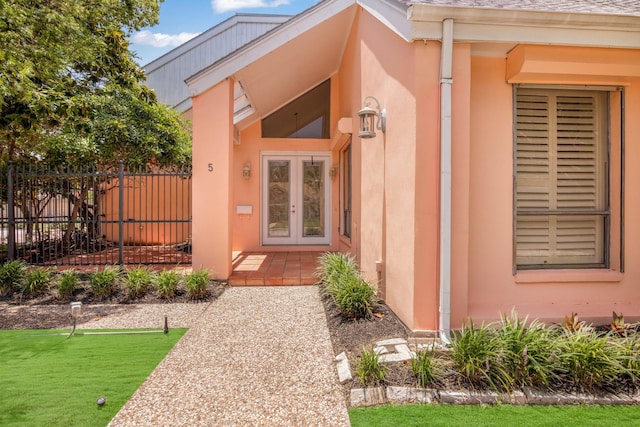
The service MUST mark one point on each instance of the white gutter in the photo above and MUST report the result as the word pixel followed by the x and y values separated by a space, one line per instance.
pixel 446 80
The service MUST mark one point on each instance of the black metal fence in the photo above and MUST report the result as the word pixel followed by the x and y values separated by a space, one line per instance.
pixel 95 216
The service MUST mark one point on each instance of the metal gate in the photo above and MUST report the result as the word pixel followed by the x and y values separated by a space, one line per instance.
pixel 95 216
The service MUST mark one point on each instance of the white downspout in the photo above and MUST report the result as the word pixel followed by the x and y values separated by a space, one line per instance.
pixel 446 80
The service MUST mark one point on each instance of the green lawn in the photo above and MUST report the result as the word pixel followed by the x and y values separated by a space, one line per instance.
pixel 477 416
pixel 49 380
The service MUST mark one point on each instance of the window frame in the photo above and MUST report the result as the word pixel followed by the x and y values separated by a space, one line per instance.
pixel 298 118
pixel 346 190
pixel 606 118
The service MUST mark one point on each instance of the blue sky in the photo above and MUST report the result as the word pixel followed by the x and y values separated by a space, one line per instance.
pixel 181 20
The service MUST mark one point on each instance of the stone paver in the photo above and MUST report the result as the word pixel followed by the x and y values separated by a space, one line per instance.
pixel 367 396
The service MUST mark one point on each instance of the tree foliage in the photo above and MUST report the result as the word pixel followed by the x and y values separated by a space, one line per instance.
pixel 71 90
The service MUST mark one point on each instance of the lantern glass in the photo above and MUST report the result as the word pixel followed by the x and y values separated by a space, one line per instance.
pixel 367 122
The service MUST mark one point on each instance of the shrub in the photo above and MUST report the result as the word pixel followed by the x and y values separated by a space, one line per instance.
pixel 167 283
pixel 355 297
pixel 590 360
pixel 196 283
pixel 67 284
pixel 332 268
pixel 12 276
pixel 426 367
pixel 629 353
pixel 37 280
pixel 528 351
pixel 369 369
pixel 104 283
pixel 477 355
pixel 138 281
pixel 340 278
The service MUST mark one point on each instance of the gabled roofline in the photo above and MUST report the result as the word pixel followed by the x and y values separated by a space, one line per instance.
pixel 212 32
pixel 280 35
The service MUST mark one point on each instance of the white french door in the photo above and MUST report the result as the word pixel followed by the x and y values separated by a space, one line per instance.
pixel 296 199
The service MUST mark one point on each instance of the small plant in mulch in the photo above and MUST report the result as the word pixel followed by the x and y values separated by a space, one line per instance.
pixel 12 275
pixel 369 370
pixel 620 327
pixel 167 283
pixel 67 284
pixel 104 283
pixel 137 281
pixel 573 324
pixel 36 281
pixel 340 278
pixel 427 368
pixel 196 283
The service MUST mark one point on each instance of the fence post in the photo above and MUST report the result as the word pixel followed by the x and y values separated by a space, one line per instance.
pixel 11 214
pixel 120 212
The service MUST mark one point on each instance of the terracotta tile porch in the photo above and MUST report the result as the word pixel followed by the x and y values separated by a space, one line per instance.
pixel 273 268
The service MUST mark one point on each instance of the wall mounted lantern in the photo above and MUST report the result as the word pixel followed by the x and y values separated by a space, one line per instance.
pixel 246 171
pixel 333 172
pixel 368 117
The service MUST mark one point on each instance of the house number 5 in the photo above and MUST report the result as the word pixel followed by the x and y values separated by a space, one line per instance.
pixel 210 167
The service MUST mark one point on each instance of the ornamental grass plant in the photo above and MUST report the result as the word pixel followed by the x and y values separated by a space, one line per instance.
pixel 167 283
pixel 513 353
pixel 369 370
pixel 528 351
pixel 196 283
pixel 426 367
pixel 339 277
pixel 105 282
pixel 67 283
pixel 478 356
pixel 12 275
pixel 333 267
pixel 36 281
pixel 590 360
pixel 138 281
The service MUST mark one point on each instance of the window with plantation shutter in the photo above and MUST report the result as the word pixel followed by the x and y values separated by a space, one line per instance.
pixel 561 208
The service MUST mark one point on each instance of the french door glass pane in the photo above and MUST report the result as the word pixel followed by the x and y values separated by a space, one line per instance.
pixel 313 198
pixel 279 198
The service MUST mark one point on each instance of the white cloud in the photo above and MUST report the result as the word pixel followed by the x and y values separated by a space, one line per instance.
pixel 220 6
pixel 147 38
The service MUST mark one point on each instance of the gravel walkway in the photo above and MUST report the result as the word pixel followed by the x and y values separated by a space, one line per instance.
pixel 257 356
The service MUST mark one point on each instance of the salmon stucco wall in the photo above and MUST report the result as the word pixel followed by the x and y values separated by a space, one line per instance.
pixel 213 179
pixel 246 192
pixel 491 286
pixel 397 203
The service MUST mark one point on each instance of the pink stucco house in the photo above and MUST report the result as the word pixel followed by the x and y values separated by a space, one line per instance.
pixel 505 174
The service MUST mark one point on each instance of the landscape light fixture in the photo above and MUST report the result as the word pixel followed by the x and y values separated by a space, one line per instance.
pixel 368 115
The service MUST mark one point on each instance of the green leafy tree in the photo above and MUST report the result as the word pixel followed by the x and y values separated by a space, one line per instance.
pixel 69 84
pixel 71 93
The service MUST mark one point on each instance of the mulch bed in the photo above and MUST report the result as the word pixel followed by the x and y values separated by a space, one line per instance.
pixel 47 311
pixel 351 335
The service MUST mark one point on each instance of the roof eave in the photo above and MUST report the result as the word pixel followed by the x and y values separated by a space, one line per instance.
pixel 504 25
